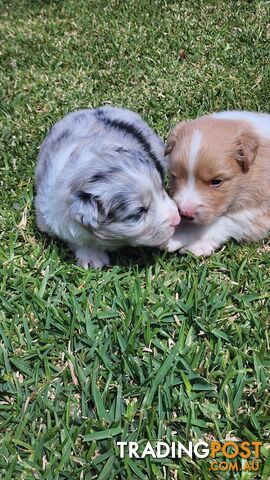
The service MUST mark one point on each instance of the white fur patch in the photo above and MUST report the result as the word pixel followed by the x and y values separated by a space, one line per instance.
pixel 190 195
pixel 194 150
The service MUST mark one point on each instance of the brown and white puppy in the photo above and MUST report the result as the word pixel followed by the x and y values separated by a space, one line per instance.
pixel 220 179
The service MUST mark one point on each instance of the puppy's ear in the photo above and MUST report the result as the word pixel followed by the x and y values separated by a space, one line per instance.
pixel 170 144
pixel 174 135
pixel 86 209
pixel 247 145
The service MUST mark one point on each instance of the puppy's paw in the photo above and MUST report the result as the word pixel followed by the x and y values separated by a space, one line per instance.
pixel 173 245
pixel 203 247
pixel 87 257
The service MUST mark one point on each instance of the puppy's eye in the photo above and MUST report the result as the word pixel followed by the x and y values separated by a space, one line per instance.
pixel 173 177
pixel 216 182
pixel 137 215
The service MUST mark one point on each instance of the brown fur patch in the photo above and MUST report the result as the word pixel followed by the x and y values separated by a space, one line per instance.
pixel 246 149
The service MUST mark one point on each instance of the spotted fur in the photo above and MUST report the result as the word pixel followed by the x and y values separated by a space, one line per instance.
pixel 99 181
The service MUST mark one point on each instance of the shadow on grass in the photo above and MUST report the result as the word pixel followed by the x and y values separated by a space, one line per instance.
pixel 124 257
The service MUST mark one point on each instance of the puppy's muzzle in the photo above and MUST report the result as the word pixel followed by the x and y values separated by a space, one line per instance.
pixel 175 220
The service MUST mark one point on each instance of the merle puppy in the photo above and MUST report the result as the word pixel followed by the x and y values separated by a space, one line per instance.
pixel 99 183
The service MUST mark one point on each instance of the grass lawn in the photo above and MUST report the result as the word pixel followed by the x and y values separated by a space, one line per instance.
pixel 157 343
